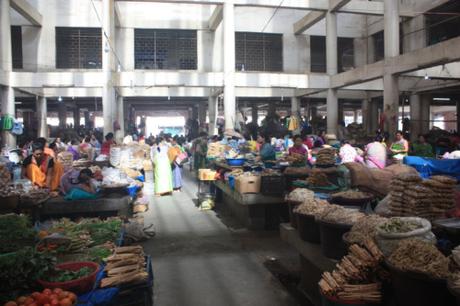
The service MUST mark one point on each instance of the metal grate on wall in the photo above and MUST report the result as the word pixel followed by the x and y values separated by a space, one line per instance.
pixel 165 49
pixel 16 47
pixel 78 48
pixel 258 51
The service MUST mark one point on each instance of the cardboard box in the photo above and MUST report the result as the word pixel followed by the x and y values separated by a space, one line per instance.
pixel 247 184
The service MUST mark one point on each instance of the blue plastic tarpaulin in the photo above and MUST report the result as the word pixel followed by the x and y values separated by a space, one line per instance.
pixel 431 166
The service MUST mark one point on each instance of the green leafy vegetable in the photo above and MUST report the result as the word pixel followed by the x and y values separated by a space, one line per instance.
pixel 67 275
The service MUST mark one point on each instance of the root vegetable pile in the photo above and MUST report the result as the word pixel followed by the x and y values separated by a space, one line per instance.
pixel 365 228
pixel 357 276
pixel 419 256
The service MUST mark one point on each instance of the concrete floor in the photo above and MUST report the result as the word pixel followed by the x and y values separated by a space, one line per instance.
pixel 198 260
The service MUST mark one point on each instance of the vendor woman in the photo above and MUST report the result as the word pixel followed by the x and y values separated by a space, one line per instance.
pixel 42 169
pixel 421 148
pixel 298 152
pixel 399 147
pixel 266 152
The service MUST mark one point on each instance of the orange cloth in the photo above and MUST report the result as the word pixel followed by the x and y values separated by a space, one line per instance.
pixel 49 152
pixel 173 152
pixel 38 175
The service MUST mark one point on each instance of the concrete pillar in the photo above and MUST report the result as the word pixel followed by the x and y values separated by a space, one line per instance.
pixel 62 114
pixel 42 110
pixel 121 118
pixel 458 116
pixel 295 112
pixel 341 112
pixel 373 116
pixel 229 65
pixel 255 113
pixel 415 116
pixel 108 92
pixel 6 64
pixel 87 119
pixel 76 117
pixel 365 114
pixel 212 113
pixel 425 113
pixel 390 82
pixel 331 65
pixel 202 116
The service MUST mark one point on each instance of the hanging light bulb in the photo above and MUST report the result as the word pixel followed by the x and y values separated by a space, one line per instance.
pixel 426 76
pixel 119 68
pixel 60 99
pixel 106 47
pixel 169 98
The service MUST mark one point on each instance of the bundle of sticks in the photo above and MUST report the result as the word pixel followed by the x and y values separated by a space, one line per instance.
pixel 126 265
pixel 354 276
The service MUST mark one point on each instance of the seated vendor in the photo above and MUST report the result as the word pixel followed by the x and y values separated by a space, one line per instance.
pixel 42 169
pixel 266 152
pixel 375 154
pixel 78 184
pixel 399 147
pixel 298 152
pixel 348 153
pixel 105 149
pixel 421 148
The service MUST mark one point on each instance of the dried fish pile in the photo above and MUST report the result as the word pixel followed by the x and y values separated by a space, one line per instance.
pixel 339 214
pixel 352 195
pixel 429 199
pixel 357 276
pixel 301 195
pixel 318 179
pixel 454 280
pixel 365 228
pixel 311 207
pixel 126 265
pixel 325 157
pixel 418 256
pixel 9 191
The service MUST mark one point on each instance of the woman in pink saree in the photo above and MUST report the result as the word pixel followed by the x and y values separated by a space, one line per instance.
pixel 376 154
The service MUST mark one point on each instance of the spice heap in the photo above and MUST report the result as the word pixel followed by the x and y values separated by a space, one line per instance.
pixel 126 265
pixel 356 277
pixel 442 194
pixel 429 199
pixel 301 195
pixel 352 195
pixel 325 157
pixel 400 225
pixel 318 179
pixel 364 229
pixel 311 207
pixel 340 214
pixel 419 256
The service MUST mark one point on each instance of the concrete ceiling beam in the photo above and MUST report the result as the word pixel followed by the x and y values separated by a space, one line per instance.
pixel 335 5
pixel 308 21
pixel 27 11
pixel 216 18
pixel 435 55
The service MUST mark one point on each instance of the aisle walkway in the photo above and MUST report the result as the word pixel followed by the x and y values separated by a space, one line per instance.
pixel 198 261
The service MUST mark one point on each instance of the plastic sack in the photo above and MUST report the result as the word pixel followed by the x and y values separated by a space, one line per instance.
pixel 388 242
pixel 79 194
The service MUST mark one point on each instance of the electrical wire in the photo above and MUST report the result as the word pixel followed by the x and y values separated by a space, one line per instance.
pixel 273 15
pixel 106 36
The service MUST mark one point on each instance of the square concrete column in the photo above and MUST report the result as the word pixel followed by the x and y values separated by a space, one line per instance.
pixel 76 117
pixel 202 116
pixel 331 65
pixel 108 91
pixel 390 82
pixel 120 118
pixel 415 116
pixel 62 114
pixel 425 113
pixel 42 111
pixel 212 113
pixel 229 65
pixel 295 112
pixel 365 114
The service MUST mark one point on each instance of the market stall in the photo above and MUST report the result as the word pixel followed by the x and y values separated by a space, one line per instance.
pixel 353 256
pixel 61 262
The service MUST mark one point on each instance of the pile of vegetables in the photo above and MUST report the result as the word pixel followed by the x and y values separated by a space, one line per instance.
pixel 51 297
pixel 16 232
pixel 19 271
pixel 59 276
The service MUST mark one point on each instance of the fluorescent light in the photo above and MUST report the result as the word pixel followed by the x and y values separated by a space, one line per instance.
pixel 441 99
